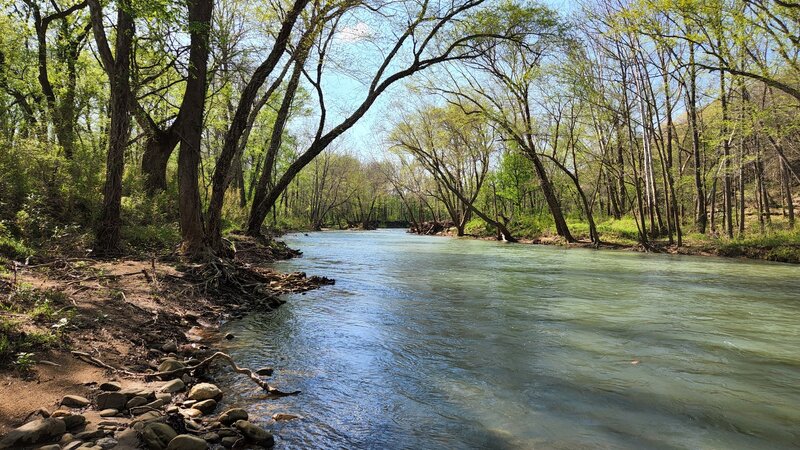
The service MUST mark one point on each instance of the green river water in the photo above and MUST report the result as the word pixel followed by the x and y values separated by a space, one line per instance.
pixel 430 342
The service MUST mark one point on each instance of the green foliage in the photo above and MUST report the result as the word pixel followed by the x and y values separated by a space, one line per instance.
pixel 782 246
pixel 151 238
pixel 12 247
pixel 17 345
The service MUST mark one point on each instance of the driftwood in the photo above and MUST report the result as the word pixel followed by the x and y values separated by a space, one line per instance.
pixel 178 372
pixel 225 357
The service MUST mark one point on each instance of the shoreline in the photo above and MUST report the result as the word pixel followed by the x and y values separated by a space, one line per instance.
pixel 751 253
pixel 120 322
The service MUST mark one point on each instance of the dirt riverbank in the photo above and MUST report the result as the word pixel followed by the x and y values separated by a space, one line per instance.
pixel 78 325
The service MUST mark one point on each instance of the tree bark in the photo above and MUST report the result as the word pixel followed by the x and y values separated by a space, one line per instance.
pixel 118 69
pixel 191 114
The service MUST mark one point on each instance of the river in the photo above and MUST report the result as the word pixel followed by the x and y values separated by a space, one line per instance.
pixel 430 342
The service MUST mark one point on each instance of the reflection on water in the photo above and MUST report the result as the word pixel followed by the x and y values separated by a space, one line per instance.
pixel 429 342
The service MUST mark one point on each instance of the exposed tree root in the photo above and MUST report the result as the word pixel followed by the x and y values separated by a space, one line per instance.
pixel 225 357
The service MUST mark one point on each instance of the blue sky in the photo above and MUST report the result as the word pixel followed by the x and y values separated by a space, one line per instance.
pixel 344 91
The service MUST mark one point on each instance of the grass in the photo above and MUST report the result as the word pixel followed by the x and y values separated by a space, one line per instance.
pixel 774 245
pixel 16 341
pixel 151 238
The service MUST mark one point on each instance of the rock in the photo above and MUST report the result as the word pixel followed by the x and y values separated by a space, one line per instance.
pixel 173 409
pixel 34 432
pixel 66 439
pixel 143 419
pixel 265 371
pixel 211 437
pixel 110 386
pixel 108 413
pixel 73 421
pixel 170 364
pixel 44 412
pixel 254 434
pixel 106 443
pixel 166 396
pixel 278 417
pixel 187 442
pixel 61 413
pixel 227 432
pixel 72 445
pixel 111 400
pixel 169 347
pixel 191 412
pixel 89 435
pixel 74 401
pixel 148 394
pixel 173 386
pixel 50 447
pixel 205 391
pixel 230 441
pixel 187 378
pixel 157 436
pixel 136 401
pixel 232 415
pixel 155 404
pixel 206 405
pixel 229 336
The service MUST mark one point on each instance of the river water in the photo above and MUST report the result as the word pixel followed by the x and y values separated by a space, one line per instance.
pixel 430 342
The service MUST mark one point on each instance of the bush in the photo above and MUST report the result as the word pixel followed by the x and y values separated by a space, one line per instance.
pixel 12 247
pixel 151 238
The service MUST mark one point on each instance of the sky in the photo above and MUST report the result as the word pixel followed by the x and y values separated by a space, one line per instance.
pixel 344 90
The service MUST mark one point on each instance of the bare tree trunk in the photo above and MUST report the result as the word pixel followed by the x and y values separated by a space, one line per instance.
pixel 192 232
pixel 118 69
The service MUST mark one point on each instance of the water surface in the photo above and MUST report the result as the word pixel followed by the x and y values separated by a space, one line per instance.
pixel 428 342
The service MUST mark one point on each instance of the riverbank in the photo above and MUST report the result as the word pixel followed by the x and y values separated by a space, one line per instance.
pixel 71 326
pixel 776 246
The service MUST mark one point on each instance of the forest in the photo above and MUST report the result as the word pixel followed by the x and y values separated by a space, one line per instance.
pixel 153 153
pixel 164 125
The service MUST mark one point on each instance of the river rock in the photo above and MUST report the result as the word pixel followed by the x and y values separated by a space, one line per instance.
pixel 170 364
pixel 106 443
pixel 89 435
pixel 50 447
pixel 169 347
pixel 232 415
pixel 111 400
pixel 110 386
pixel 34 432
pixel 281 417
pixel 66 439
pixel 73 421
pixel 143 419
pixel 74 401
pixel 136 401
pixel 205 391
pixel 265 371
pixel 166 396
pixel 157 436
pixel 72 445
pixel 173 386
pixel 211 437
pixel 229 441
pixel 255 434
pixel 187 442
pixel 108 413
pixel 61 413
pixel 206 405
pixel 191 412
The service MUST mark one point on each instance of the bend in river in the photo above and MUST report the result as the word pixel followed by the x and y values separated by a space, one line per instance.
pixel 428 342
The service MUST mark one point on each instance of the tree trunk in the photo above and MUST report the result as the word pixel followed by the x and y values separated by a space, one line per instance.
pixel 158 149
pixel 192 231
pixel 118 68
